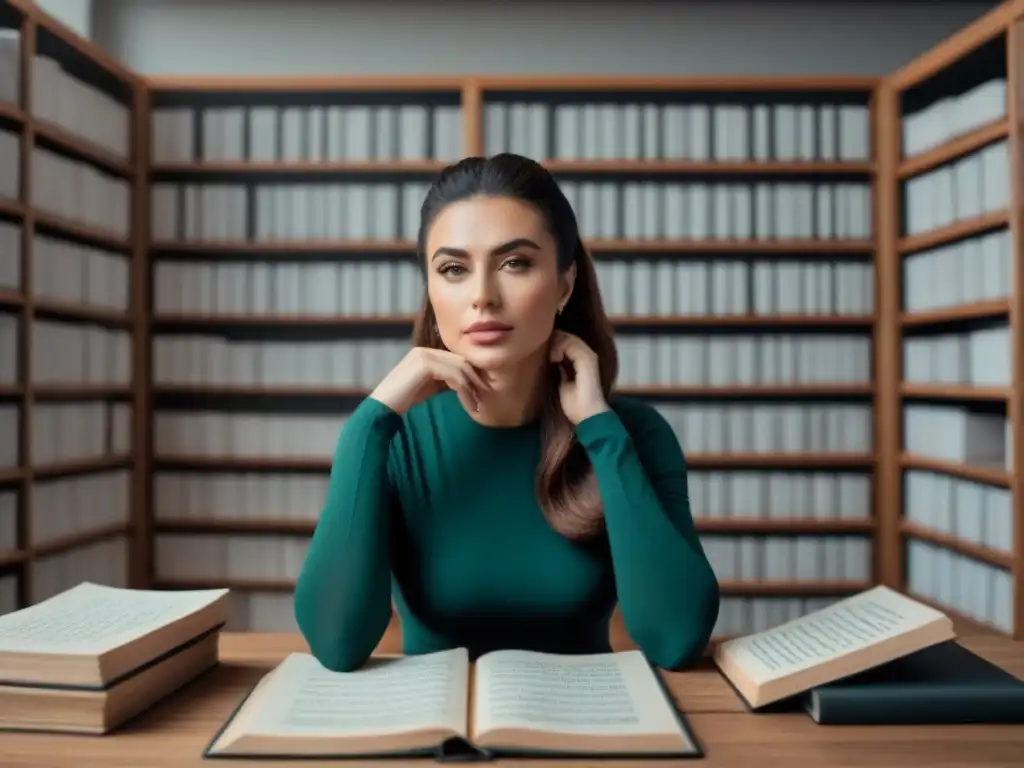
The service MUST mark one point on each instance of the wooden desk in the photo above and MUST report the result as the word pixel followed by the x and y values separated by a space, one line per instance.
pixel 174 733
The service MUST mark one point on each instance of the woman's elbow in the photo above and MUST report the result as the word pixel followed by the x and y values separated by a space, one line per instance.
pixel 340 645
pixel 680 637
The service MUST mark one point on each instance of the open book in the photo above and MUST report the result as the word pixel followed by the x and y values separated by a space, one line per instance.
pixel 852 635
pixel 507 703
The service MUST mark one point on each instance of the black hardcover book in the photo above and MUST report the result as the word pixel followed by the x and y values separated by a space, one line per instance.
pixel 942 684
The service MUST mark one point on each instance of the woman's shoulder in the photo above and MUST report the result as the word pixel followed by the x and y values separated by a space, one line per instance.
pixel 642 419
pixel 636 412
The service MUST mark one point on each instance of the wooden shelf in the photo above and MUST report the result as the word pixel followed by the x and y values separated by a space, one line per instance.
pixel 288 527
pixel 81 149
pixel 49 223
pixel 955 392
pixel 953 232
pixel 793 391
pixel 676 321
pixel 668 83
pixel 11 300
pixel 14 557
pixel 243 167
pixel 12 113
pixel 693 461
pixel 13 208
pixel 80 391
pixel 990 475
pixel 952 150
pixel 948 541
pixel 80 539
pixel 748 589
pixel 792 588
pixel 555 166
pixel 82 466
pixel 982 310
pixel 70 311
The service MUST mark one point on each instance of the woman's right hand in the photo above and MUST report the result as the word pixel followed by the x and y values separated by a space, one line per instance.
pixel 421 374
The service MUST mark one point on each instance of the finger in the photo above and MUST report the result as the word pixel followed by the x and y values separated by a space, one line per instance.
pixel 444 369
pixel 465 379
pixel 558 348
pixel 458 382
pixel 476 377
pixel 461 363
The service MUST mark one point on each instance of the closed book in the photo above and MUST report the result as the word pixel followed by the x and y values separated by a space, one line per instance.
pixel 939 685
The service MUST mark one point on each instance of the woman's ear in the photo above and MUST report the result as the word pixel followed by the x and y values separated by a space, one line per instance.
pixel 568 280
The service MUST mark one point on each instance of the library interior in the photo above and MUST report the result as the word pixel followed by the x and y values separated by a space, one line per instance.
pixel 816 279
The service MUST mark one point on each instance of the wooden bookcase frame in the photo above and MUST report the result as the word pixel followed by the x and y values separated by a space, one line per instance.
pixel 884 169
pixel 1004 22
pixel 33 23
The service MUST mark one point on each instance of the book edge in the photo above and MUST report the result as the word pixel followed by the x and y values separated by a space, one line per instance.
pixel 127 675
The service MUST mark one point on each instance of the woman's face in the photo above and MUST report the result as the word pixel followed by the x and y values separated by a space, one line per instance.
pixel 493 281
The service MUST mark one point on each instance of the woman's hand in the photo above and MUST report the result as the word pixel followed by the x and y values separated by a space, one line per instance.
pixel 421 373
pixel 581 396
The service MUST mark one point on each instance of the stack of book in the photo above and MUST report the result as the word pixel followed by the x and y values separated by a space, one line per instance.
pixel 89 659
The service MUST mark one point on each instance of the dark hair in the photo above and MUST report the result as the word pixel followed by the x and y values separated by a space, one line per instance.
pixel 565 483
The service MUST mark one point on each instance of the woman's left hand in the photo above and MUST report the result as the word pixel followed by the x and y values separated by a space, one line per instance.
pixel 581 397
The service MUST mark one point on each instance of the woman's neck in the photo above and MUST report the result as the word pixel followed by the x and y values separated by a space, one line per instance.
pixel 515 397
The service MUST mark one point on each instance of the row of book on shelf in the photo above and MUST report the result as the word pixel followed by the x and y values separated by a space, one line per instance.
pixel 664 359
pixel 68 431
pixel 382 210
pixel 250 556
pixel 59 97
pixel 73 189
pixel 678 128
pixel 374 287
pixel 66 506
pixel 877 656
pixel 768 427
pixel 252 497
pixel 599 129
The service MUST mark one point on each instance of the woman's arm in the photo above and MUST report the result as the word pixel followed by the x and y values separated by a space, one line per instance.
pixel 343 593
pixel 668 593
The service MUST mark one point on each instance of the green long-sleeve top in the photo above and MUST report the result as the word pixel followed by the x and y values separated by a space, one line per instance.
pixel 441 511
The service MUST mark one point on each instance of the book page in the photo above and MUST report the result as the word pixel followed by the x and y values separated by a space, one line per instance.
pixel 598 694
pixel 304 699
pixel 91 618
pixel 845 627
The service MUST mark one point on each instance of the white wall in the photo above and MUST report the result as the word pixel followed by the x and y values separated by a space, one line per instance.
pixel 226 37
pixel 75 14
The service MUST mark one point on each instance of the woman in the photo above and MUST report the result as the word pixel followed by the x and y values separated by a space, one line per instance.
pixel 489 479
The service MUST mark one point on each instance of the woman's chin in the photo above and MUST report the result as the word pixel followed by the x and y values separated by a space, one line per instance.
pixel 489 358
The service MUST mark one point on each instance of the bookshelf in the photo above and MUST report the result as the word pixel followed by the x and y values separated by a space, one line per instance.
pixel 70 266
pixel 779 283
pixel 269 326
pixel 953 156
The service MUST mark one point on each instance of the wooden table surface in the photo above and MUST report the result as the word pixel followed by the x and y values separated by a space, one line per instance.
pixel 175 731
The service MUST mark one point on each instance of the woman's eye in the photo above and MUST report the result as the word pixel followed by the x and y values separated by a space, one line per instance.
pixel 451 269
pixel 517 264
